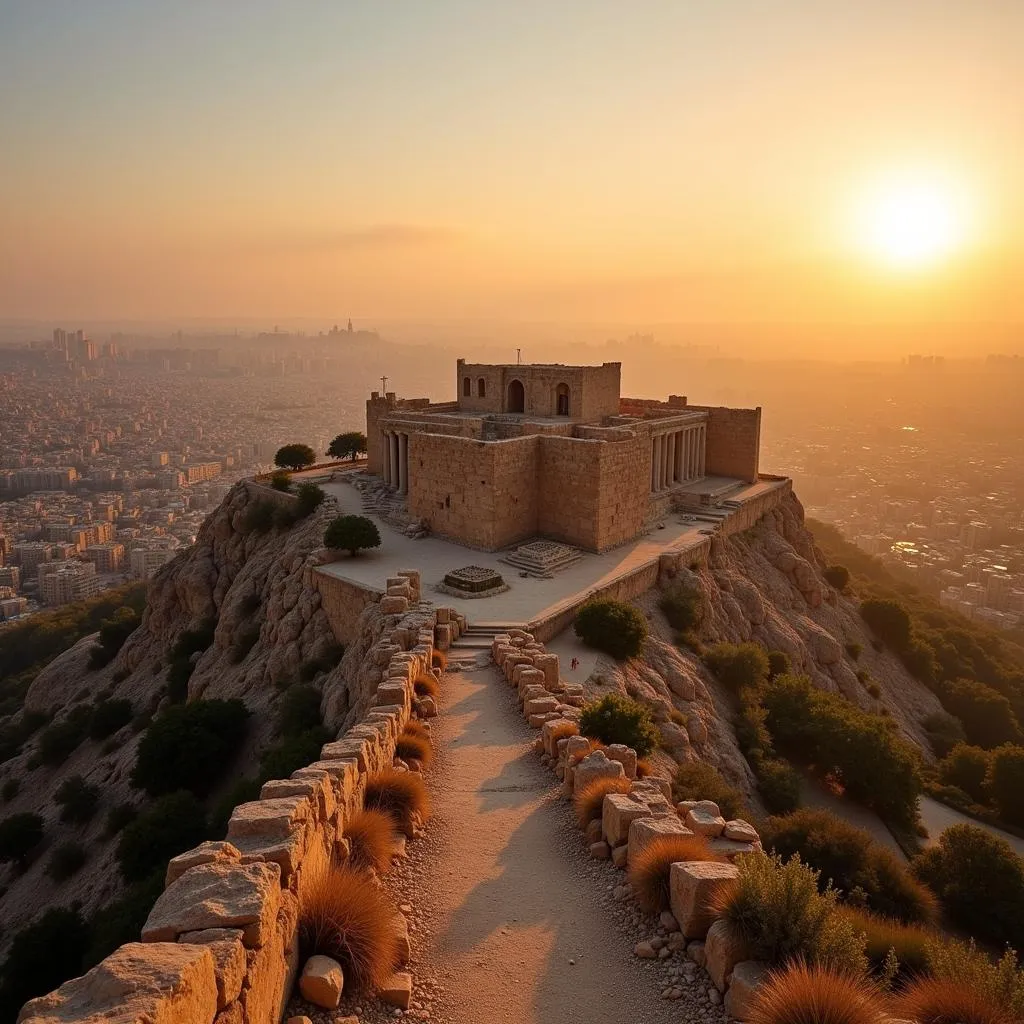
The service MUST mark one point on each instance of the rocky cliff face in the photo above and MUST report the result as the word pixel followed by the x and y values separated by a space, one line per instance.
pixel 764 585
pixel 256 587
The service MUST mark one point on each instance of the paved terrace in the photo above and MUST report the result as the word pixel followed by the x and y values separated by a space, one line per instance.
pixel 526 600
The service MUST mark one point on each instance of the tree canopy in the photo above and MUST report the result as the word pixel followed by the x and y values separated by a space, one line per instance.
pixel 349 445
pixel 351 534
pixel 295 456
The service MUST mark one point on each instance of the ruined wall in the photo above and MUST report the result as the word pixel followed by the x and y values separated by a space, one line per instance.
pixel 342 602
pixel 733 442
pixel 220 945
pixel 752 510
pixel 569 485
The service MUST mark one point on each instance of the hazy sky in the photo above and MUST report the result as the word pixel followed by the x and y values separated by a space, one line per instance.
pixel 696 160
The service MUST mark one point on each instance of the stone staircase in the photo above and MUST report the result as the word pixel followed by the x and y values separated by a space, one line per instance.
pixel 473 648
pixel 542 558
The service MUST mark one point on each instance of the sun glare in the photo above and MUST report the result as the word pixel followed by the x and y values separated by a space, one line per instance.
pixel 911 222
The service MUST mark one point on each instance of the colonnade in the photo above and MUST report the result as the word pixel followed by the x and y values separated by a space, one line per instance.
pixel 677 456
pixel 395 457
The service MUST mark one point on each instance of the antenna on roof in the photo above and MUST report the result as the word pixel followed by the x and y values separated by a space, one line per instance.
pixel 383 385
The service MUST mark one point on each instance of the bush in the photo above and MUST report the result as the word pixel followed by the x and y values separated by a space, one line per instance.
pixel 907 942
pixel 118 817
pixel 889 621
pixel 934 1001
pixel 108 716
pixel 426 686
pixel 344 915
pixel 778 663
pixel 65 860
pixel 20 834
pixel 372 840
pixel 352 534
pixel 58 741
pixel 979 881
pixel 649 870
pixel 293 752
pixel 854 650
pixel 169 826
pixel 298 710
pixel 294 456
pixel 944 732
pixel 310 498
pixel 190 747
pixel 348 445
pixel 414 748
pixel 967 768
pixel 779 785
pixel 987 716
pixel 614 627
pixel 682 605
pixel 400 794
pixel 876 766
pixel 281 481
pixel 779 912
pixel 189 642
pixel 259 517
pixel 1001 982
pixel 1006 783
pixel 848 859
pixel 697 780
pixel 78 800
pixel 113 633
pixel 619 719
pixel 42 957
pixel 801 994
pixel 588 800
pixel 837 576
pixel 738 665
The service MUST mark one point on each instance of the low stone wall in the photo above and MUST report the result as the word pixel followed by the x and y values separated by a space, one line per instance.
pixel 220 945
pixel 751 511
pixel 342 601
pixel 261 492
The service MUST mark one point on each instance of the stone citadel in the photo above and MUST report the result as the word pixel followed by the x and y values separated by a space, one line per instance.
pixel 547 450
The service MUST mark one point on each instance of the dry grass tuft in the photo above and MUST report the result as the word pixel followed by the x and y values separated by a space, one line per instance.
pixel 344 915
pixel 644 770
pixel 414 727
pixel 908 941
pixel 589 801
pixel 400 794
pixel 649 871
pixel 372 839
pixel 426 686
pixel 438 659
pixel 813 995
pixel 410 747
pixel 937 1001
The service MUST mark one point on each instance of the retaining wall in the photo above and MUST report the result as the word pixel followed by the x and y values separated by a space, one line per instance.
pixel 220 945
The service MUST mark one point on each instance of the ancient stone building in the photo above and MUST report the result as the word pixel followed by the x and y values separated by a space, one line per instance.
pixel 546 450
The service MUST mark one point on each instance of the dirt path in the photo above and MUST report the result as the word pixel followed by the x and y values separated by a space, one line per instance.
pixel 522 927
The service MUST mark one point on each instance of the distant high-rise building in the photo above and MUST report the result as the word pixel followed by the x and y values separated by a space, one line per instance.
pixel 70 581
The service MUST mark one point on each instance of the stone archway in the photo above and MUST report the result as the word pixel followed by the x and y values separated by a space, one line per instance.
pixel 516 397
pixel 562 400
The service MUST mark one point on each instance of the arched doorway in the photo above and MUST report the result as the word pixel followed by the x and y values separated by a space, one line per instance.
pixel 516 397
pixel 466 385
pixel 481 388
pixel 562 400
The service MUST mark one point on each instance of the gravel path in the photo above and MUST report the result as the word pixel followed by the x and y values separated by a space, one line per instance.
pixel 520 923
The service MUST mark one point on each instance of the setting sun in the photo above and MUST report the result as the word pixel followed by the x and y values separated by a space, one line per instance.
pixel 912 221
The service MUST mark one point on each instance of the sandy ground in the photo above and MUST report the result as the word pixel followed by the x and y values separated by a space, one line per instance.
pixel 518 918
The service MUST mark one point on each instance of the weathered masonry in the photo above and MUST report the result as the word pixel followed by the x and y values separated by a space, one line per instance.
pixel 553 451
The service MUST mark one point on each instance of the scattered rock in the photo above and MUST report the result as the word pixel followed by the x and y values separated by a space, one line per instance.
pixel 322 981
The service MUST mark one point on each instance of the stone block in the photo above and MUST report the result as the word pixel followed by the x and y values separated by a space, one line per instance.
pixel 741 831
pixel 287 853
pixel 746 978
pixel 724 948
pixel 394 605
pixel 576 749
pixel 620 856
pixel 644 830
pixel 548 664
pixel 321 982
pixel 655 784
pixel 161 983
pixel 626 756
pixel 553 732
pixel 273 967
pixel 443 637
pixel 229 957
pixel 402 935
pixel 540 706
pixel 600 851
pixel 617 814
pixel 397 990
pixel 730 848
pixel 277 818
pixel 703 823
pixel 596 766
pixel 318 788
pixel 209 852
pixel 694 888
pixel 539 720
pixel 391 692
pixel 245 896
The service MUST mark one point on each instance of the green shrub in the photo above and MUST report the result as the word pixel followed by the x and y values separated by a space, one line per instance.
pixel 697 780
pixel 781 914
pixel 108 716
pixel 967 768
pixel 987 716
pixel 874 690
pixel 779 785
pixel 310 498
pixel 979 881
pixel 113 633
pixel 944 732
pixel 169 826
pixel 837 576
pixel 778 663
pixel 20 834
pixel 281 481
pixel 682 605
pixel 618 719
pixel 118 817
pixel 854 650
pixel 58 741
pixel 298 710
pixel 78 800
pixel 614 627
pixel 1006 783
pixel 189 643
pixel 66 860
pixel 190 746
pixel 851 861
pixel 294 456
pixel 259 517
pixel 876 766
pixel 888 620
pixel 42 956
pixel 348 445
pixel 352 534
pixel 999 981
pixel 738 665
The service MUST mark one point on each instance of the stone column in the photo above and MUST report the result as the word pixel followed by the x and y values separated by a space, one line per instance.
pixel 701 466
pixel 689 454
pixel 385 457
pixel 672 443
pixel 693 454
pixel 404 452
pixel 664 461
pixel 393 452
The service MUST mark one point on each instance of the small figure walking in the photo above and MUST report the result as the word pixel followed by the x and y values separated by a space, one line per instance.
pixel 574 664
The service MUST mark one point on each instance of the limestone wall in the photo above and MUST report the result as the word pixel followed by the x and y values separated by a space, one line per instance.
pixel 220 945
pixel 342 602
pixel 752 510
pixel 516 497
pixel 260 492
pixel 733 442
